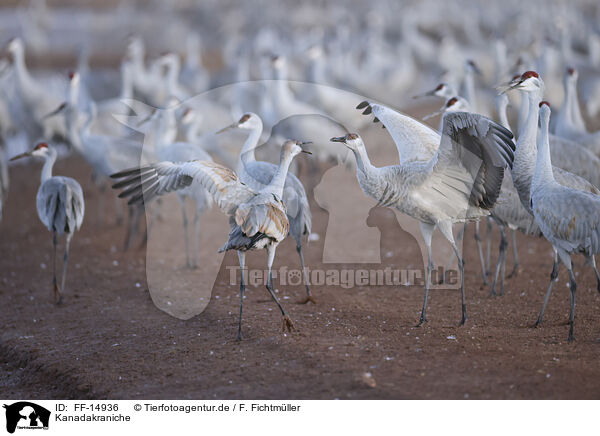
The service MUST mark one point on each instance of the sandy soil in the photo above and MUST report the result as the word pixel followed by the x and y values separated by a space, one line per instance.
pixel 108 339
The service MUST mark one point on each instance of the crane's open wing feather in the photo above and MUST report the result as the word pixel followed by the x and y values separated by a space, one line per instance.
pixel 143 184
pixel 414 140
pixel 468 168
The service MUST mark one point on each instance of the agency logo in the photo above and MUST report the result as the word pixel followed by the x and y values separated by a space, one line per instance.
pixel 26 415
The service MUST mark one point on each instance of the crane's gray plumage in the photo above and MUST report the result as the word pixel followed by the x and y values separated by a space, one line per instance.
pixel 569 218
pixel 60 206
pixel 525 165
pixel 458 183
pixel 257 219
pixel 258 174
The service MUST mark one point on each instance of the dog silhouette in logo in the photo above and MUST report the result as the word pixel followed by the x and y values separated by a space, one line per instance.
pixel 25 414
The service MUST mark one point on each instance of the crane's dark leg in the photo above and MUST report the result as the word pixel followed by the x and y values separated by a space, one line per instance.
pixel 503 270
pixel 309 296
pixel 65 261
pixel 242 259
pixel 515 257
pixel 446 229
pixel 499 262
pixel 427 233
pixel 592 260
pixel 459 238
pixel 57 296
pixel 480 251
pixel 287 322
pixel 188 264
pixel 572 290
pixel 553 276
pixel 488 246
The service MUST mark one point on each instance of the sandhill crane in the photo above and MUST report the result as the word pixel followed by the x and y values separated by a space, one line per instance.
pixel 279 103
pixel 443 91
pixel 60 207
pixel 37 99
pixel 258 174
pixel 509 212
pixel 458 182
pixel 460 104
pixel 570 122
pixel 526 155
pixel 569 218
pixel 105 154
pixel 257 219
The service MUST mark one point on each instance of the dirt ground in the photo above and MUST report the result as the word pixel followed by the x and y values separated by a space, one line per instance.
pixel 108 339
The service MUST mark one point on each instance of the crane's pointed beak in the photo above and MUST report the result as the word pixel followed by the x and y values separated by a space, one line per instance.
pixel 229 127
pixel 425 94
pixel 503 88
pixel 433 114
pixel 303 146
pixel 341 139
pixel 22 155
pixel 55 111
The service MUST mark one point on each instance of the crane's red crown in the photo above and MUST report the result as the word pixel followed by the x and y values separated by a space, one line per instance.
pixel 529 74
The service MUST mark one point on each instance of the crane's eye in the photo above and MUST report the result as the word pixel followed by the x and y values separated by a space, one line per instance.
pixel 352 136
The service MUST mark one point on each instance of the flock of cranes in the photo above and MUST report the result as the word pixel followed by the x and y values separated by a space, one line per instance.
pixel 539 178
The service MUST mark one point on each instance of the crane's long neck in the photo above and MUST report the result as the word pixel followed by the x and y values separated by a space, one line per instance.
pixel 574 111
pixel 470 89
pixel 278 180
pixel 48 165
pixel 502 117
pixel 24 79
pixel 523 112
pixel 543 166
pixel 365 171
pixel 247 154
pixel 526 153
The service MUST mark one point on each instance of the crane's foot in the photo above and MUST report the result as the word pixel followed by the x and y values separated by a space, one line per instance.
pixel 514 272
pixel 463 319
pixel 307 299
pixel 288 324
pixel 422 319
pixel 536 324
pixel 493 292
pixel 57 295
